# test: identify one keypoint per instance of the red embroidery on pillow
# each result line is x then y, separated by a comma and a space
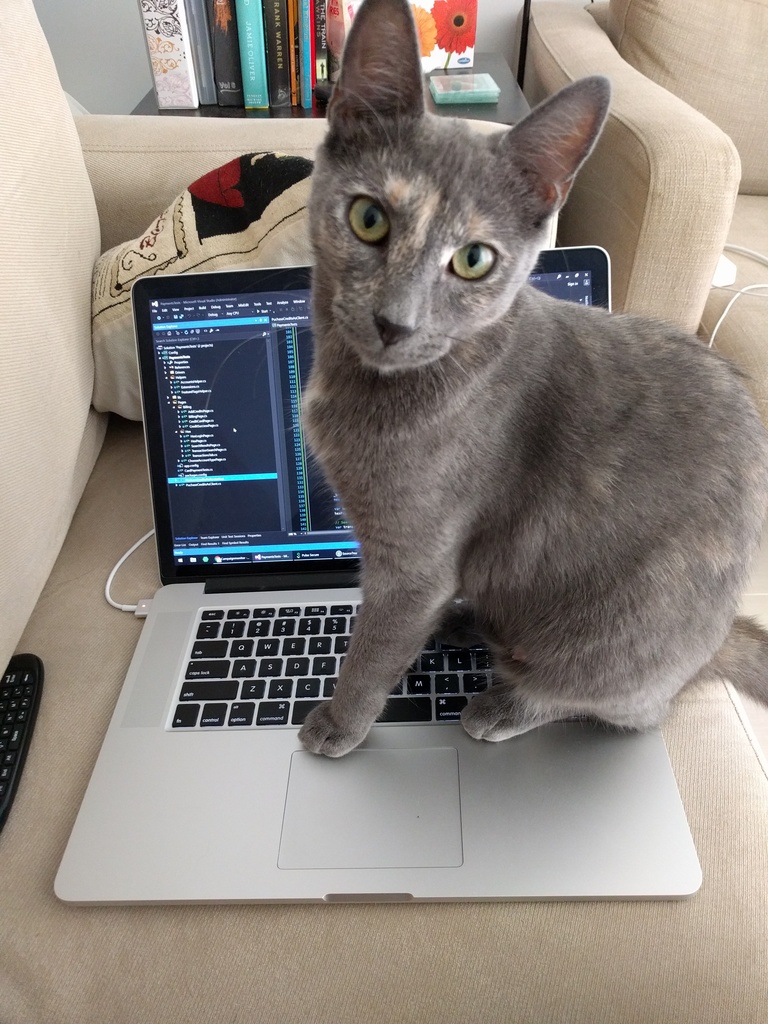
220, 186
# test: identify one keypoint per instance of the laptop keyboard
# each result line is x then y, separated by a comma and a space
267, 667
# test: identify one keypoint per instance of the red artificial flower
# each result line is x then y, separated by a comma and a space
456, 22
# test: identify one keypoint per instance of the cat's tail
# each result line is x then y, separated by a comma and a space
743, 660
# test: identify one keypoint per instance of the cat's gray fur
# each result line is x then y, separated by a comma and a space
591, 485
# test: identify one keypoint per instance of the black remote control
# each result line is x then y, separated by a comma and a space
20, 688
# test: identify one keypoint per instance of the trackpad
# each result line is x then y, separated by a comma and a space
373, 809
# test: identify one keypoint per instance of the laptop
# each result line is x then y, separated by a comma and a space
202, 792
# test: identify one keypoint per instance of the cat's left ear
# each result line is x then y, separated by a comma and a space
380, 67
555, 139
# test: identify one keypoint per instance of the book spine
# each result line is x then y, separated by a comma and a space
293, 46
201, 51
170, 53
225, 48
321, 42
306, 35
253, 56
278, 55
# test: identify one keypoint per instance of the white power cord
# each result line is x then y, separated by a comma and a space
136, 608
754, 255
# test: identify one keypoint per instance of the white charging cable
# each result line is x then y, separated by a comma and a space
754, 255
108, 586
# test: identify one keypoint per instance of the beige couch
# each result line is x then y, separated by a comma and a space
73, 498
682, 167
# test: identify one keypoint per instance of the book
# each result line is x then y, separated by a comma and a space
293, 49
253, 55
170, 54
225, 49
321, 42
278, 55
202, 58
306, 61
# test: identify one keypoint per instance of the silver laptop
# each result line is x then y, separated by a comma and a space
202, 792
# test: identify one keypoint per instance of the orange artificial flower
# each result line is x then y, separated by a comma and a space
426, 28
456, 21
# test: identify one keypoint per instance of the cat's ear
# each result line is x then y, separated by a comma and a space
555, 139
380, 66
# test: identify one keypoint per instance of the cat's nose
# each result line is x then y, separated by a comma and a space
390, 333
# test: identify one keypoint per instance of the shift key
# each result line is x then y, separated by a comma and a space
209, 690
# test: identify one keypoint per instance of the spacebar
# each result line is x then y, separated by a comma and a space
407, 709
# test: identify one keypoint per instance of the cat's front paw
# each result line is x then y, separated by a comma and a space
497, 714
323, 734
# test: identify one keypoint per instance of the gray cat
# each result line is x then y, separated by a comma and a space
590, 486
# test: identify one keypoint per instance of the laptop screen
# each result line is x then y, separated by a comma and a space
224, 359
242, 487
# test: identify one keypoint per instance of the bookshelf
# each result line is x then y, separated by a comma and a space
512, 105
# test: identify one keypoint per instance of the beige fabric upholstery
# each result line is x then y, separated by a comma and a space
714, 55
700, 961
49, 238
658, 192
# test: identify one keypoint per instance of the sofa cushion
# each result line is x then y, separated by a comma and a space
712, 54
49, 239
251, 212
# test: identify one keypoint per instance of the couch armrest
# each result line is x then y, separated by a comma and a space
139, 164
659, 190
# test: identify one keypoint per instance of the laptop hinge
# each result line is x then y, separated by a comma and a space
283, 581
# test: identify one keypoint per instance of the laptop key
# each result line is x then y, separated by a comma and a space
209, 649
431, 662
284, 627
273, 712
241, 649
271, 667
186, 716
407, 709
301, 709
447, 683
208, 630
323, 666
209, 690
290, 613
319, 645
448, 709
297, 667
268, 648
419, 684
342, 609
241, 714
233, 628
208, 669
280, 688
259, 627
310, 627
335, 625
263, 613
308, 687
475, 682
253, 689
213, 715
294, 645
212, 614
239, 613
243, 668
329, 686
315, 609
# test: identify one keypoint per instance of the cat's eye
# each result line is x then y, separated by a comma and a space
473, 261
367, 219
